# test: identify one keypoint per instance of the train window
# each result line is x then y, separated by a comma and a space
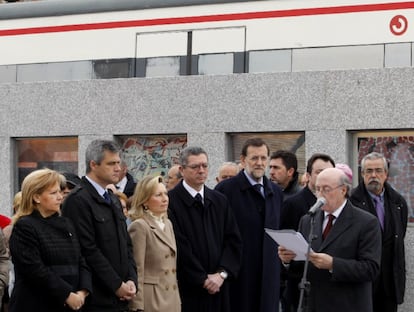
59, 154
349, 57
270, 61
8, 73
116, 68
163, 66
215, 64
398, 55
54, 71
219, 51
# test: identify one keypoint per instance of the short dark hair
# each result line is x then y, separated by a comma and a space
256, 142
189, 151
96, 149
315, 157
289, 159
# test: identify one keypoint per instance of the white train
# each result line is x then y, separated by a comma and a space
150, 38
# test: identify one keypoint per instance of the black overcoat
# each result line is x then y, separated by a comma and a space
295, 207
393, 270
47, 262
208, 240
257, 287
105, 244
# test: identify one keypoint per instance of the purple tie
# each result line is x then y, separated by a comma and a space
379, 207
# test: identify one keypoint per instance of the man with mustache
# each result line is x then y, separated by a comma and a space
376, 196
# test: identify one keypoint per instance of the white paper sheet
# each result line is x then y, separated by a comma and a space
291, 240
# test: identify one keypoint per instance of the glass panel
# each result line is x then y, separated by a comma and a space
398, 148
163, 66
105, 69
290, 141
398, 55
150, 154
54, 71
8, 73
59, 154
270, 61
215, 64
349, 57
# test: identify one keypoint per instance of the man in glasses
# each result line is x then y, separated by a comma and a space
376, 196
256, 202
346, 249
293, 210
208, 240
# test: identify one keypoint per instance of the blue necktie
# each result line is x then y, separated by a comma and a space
259, 188
107, 197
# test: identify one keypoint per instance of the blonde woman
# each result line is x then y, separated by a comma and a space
154, 249
51, 274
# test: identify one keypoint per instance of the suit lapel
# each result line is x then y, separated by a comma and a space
165, 236
341, 224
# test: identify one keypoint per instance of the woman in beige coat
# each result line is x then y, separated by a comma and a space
154, 249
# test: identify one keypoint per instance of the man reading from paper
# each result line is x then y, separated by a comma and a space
347, 249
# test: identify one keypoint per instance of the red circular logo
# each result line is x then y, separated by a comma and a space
398, 25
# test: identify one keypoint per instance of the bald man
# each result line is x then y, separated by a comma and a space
227, 170
173, 177
346, 251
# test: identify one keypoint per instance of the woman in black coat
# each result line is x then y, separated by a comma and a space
50, 273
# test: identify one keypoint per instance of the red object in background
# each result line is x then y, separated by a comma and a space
4, 221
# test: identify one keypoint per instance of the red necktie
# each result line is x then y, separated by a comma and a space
328, 226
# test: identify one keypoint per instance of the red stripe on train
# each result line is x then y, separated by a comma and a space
212, 18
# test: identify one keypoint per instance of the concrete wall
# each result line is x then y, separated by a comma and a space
327, 105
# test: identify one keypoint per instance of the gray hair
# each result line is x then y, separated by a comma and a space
374, 156
344, 180
96, 149
190, 151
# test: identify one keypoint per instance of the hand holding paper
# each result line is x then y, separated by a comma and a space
293, 243
285, 255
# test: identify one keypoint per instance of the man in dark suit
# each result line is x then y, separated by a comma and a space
298, 205
292, 211
376, 196
126, 183
208, 240
256, 203
101, 228
346, 250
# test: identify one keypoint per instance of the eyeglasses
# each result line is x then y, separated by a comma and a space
197, 166
370, 171
327, 189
